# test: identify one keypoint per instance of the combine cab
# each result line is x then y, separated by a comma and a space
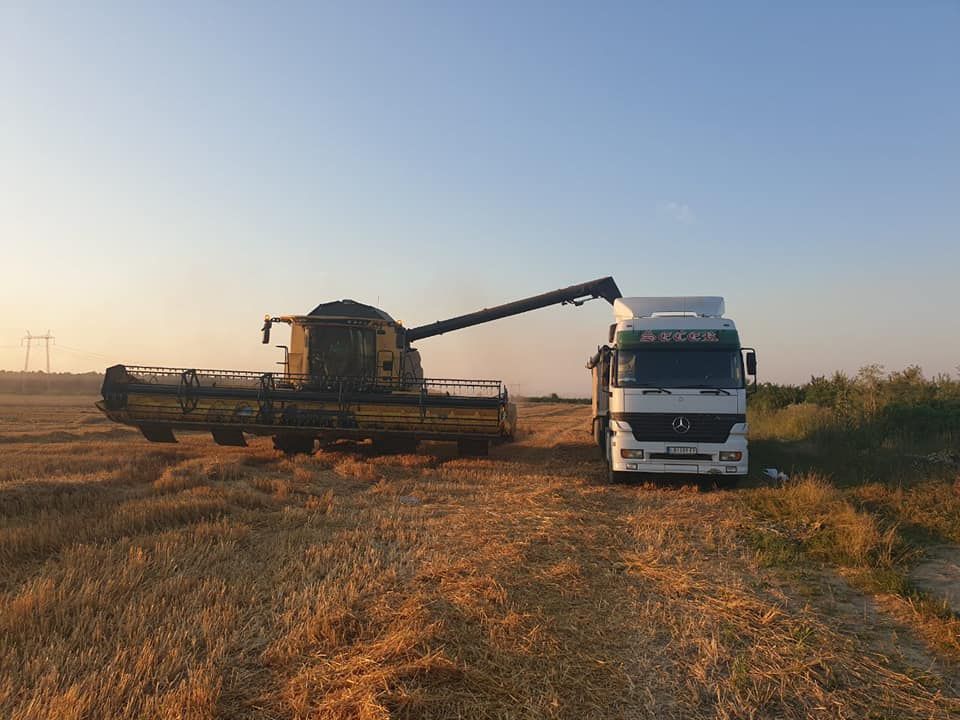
350, 372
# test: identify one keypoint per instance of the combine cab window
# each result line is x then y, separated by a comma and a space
338, 351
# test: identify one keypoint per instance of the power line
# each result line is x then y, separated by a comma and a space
78, 351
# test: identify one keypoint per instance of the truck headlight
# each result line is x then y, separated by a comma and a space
632, 454
620, 425
730, 455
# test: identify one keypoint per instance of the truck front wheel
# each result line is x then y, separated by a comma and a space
615, 477
600, 435
728, 482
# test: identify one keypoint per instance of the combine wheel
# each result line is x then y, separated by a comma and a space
473, 448
294, 444
395, 446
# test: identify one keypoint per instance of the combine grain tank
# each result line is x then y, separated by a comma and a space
350, 371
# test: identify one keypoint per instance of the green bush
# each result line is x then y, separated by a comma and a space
874, 403
936, 417
771, 396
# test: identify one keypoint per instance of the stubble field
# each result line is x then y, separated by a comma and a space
195, 581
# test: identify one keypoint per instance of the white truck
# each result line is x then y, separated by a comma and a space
670, 390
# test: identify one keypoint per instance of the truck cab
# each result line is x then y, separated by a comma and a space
670, 390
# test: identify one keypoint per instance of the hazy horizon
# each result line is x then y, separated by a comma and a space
172, 173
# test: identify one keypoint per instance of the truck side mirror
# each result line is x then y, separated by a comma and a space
751, 362
612, 334
266, 331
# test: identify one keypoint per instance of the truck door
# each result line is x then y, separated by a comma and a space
601, 395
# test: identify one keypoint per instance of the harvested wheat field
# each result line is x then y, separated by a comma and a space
194, 581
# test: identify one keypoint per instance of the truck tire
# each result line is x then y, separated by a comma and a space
600, 436
473, 448
729, 482
294, 444
614, 477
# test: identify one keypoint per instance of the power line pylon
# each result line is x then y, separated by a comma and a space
28, 341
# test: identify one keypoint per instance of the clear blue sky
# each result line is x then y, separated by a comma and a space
168, 174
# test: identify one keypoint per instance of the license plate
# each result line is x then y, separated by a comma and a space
681, 451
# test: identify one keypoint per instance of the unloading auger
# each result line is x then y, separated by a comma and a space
350, 371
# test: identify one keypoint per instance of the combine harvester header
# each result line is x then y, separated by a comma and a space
350, 371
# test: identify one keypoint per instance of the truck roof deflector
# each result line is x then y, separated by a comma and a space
638, 307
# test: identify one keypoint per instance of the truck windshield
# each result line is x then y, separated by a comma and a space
680, 368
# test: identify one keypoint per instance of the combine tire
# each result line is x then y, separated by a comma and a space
473, 448
294, 444
395, 446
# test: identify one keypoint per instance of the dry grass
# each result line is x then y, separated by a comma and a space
869, 504
930, 509
811, 518
811, 511
794, 422
192, 581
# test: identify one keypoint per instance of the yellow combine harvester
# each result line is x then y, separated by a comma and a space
350, 371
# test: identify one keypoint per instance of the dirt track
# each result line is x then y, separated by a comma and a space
197, 581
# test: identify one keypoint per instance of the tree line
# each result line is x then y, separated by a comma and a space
38, 382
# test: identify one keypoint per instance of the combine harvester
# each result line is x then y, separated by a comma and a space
350, 372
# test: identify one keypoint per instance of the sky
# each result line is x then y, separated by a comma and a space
170, 172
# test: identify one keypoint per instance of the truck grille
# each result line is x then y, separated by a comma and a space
659, 427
